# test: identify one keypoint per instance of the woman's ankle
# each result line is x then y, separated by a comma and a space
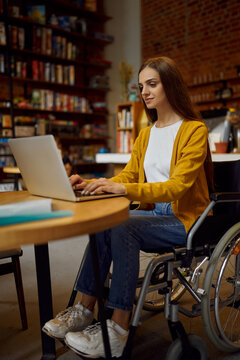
121, 317
88, 302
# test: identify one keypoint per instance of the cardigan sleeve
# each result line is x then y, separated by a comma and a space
191, 155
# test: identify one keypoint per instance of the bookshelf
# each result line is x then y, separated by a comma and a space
128, 115
52, 72
218, 93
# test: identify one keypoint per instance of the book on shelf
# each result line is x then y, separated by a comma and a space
21, 38
41, 70
6, 120
125, 118
2, 34
13, 36
36, 38
17, 37
124, 141
35, 70
23, 130
49, 41
2, 63
43, 40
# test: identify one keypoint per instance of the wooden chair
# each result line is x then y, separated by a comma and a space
13, 266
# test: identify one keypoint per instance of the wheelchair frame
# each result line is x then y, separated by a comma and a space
185, 345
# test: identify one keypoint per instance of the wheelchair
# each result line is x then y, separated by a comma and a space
213, 242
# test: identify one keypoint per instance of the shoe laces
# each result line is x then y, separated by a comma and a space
69, 314
92, 329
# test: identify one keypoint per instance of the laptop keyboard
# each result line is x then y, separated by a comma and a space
78, 193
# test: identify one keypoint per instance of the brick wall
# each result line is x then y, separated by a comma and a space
202, 36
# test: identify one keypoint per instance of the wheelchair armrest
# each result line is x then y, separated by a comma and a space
225, 196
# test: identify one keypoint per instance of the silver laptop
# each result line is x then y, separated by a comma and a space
43, 171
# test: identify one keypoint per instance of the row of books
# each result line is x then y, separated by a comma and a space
124, 142
5, 150
79, 153
44, 42
93, 130
45, 71
17, 37
49, 100
23, 125
125, 118
40, 70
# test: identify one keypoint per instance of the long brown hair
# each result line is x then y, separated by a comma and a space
177, 95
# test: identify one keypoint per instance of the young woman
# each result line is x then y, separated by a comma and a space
167, 174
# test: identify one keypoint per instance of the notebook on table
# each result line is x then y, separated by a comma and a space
43, 171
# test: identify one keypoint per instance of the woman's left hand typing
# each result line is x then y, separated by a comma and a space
103, 185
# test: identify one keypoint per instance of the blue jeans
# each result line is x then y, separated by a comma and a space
152, 229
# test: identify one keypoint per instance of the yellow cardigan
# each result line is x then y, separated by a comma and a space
186, 188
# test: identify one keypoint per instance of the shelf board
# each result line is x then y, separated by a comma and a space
82, 139
122, 128
33, 110
55, 84
58, 59
215, 82
217, 101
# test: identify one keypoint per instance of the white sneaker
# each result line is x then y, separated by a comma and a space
74, 318
89, 342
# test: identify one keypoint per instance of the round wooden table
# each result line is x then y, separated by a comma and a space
89, 217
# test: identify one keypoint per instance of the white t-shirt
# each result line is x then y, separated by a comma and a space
159, 152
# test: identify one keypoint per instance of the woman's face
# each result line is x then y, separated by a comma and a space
151, 89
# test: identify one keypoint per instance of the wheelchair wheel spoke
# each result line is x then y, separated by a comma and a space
226, 297
222, 285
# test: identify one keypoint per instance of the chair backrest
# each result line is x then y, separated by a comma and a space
227, 179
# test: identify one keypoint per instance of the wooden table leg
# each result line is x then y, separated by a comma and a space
44, 298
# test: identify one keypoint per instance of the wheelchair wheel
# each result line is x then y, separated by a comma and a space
222, 286
175, 351
155, 301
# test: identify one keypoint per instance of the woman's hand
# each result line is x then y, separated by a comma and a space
77, 182
103, 185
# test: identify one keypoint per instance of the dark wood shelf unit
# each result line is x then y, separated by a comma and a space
35, 110
23, 20
85, 63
